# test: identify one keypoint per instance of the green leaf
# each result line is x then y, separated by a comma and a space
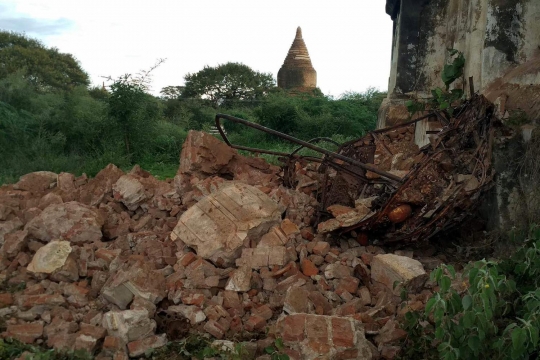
474, 343
451, 269
438, 314
269, 349
279, 343
519, 337
445, 283
467, 302
429, 304
439, 333
283, 357
472, 275
444, 105
468, 319
534, 335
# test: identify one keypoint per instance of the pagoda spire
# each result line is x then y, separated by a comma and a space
297, 70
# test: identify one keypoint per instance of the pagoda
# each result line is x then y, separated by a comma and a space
297, 72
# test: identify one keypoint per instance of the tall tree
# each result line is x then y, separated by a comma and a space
228, 82
46, 68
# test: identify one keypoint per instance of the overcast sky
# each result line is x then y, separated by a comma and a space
349, 41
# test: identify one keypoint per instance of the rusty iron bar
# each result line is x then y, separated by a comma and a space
289, 138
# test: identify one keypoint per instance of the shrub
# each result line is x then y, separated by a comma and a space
497, 316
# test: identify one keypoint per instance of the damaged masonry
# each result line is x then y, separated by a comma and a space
237, 248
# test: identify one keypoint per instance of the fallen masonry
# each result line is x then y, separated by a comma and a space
123, 263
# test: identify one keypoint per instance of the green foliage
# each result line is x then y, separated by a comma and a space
12, 349
452, 72
134, 114
45, 68
443, 99
307, 117
276, 351
198, 347
227, 83
50, 120
497, 316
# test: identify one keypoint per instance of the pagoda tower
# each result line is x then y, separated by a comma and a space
297, 72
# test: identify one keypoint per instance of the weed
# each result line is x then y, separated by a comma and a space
496, 315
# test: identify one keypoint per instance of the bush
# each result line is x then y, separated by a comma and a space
497, 316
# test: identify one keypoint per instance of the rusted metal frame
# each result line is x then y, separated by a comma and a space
421, 229
289, 138
442, 119
316, 140
403, 187
383, 145
403, 124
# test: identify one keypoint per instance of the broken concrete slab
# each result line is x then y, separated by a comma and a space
71, 221
219, 225
50, 257
388, 269
129, 325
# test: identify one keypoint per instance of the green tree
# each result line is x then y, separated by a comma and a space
45, 68
135, 114
171, 92
227, 83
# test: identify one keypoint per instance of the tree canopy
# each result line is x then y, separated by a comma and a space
228, 82
46, 68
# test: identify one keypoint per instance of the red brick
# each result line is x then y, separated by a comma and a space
320, 347
26, 333
308, 268
342, 332
293, 354
214, 329
293, 327
6, 300
28, 301
61, 341
321, 248
255, 322
97, 332
317, 328
347, 354
107, 255
349, 284
263, 311
187, 259
288, 227
193, 299
113, 344
140, 347
366, 258
307, 234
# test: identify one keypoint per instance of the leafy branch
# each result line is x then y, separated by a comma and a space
443, 99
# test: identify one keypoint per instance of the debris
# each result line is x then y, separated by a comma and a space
390, 268
331, 337
409, 193
72, 221
122, 263
221, 223
50, 257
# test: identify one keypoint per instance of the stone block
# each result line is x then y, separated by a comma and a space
388, 269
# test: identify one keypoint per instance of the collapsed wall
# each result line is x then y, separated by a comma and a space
122, 263
499, 40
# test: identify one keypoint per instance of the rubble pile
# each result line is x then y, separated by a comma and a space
123, 263
439, 185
